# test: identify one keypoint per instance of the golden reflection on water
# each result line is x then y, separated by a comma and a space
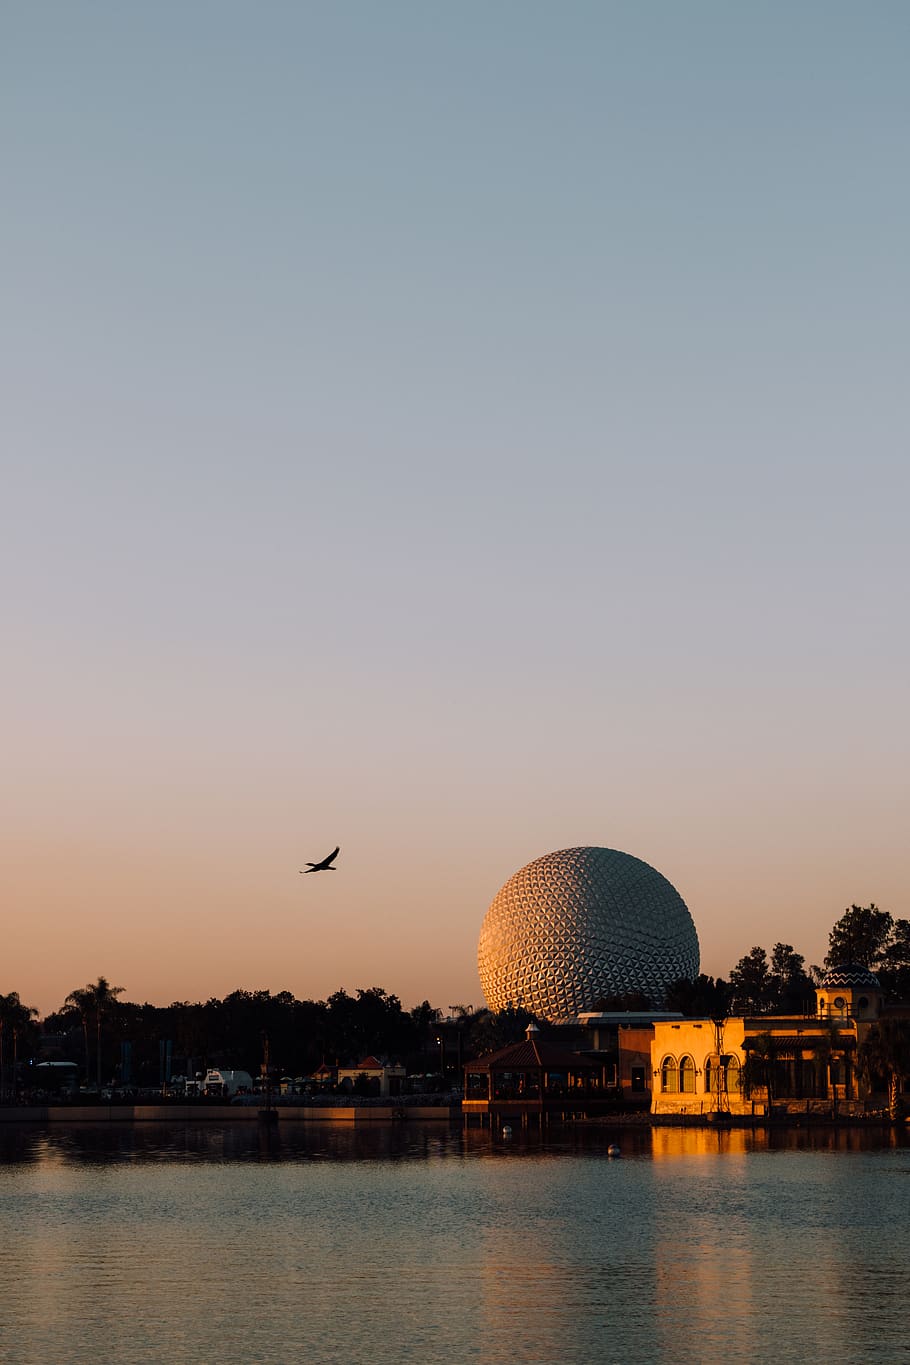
681, 1141
711, 1142
413, 1243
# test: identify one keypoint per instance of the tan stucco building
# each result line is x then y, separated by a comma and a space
741, 1066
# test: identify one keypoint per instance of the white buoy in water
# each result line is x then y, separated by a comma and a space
613, 1150
506, 1130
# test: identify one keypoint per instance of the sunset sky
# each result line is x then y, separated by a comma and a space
457, 432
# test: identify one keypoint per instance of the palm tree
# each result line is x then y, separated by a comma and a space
14, 1017
762, 1054
823, 1050
80, 1000
7, 1004
95, 1002
22, 1017
885, 1053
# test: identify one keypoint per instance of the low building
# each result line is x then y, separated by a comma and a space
325, 1077
747, 1066
224, 1084
372, 1076
621, 1042
534, 1079
56, 1078
697, 1067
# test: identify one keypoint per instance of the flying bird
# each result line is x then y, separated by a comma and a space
324, 866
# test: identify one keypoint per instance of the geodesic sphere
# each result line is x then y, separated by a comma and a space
581, 924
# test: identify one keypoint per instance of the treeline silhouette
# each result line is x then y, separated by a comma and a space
780, 982
116, 1040
110, 1038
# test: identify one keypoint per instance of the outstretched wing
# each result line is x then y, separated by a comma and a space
326, 863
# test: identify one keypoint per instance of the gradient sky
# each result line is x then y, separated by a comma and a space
456, 432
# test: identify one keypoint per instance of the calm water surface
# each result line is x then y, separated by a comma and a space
423, 1243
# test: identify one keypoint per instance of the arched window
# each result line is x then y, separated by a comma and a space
687, 1076
669, 1079
713, 1076
733, 1074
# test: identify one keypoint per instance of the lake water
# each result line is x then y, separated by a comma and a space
322, 1243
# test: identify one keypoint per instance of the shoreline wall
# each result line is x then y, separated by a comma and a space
220, 1113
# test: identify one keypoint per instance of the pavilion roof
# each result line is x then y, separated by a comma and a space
532, 1054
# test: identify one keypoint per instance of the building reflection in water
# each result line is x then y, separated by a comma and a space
419, 1242
706, 1141
768, 1245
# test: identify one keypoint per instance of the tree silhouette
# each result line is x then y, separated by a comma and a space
95, 1003
762, 1053
750, 982
80, 1001
860, 935
703, 998
823, 1050
790, 989
893, 965
885, 1054
14, 1020
490, 1030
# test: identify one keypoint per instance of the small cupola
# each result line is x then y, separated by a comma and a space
850, 991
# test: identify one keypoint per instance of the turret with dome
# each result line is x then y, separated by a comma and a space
849, 991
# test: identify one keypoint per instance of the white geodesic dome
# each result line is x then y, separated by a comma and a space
580, 924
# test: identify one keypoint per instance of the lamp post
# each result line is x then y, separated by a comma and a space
721, 1102
268, 1114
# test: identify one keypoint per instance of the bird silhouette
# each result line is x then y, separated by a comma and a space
324, 866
